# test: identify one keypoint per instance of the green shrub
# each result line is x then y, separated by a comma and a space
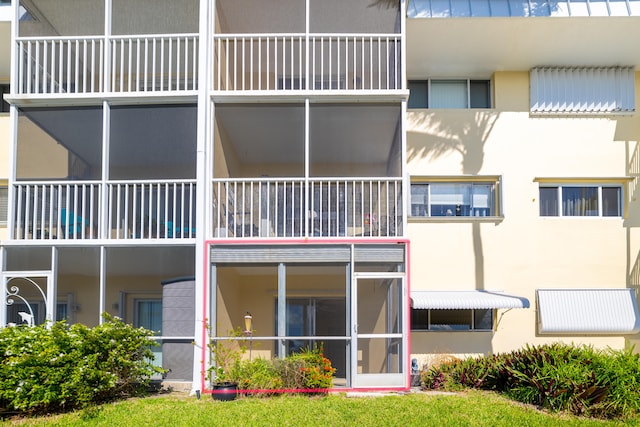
257, 374
306, 370
556, 376
61, 367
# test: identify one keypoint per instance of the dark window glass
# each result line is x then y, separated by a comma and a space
450, 320
419, 320
611, 201
418, 94
548, 201
483, 318
4, 105
480, 96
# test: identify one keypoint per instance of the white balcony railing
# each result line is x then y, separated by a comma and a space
336, 207
263, 62
58, 65
245, 62
73, 65
154, 63
152, 209
136, 210
56, 210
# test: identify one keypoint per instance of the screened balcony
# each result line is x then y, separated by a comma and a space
279, 175
65, 188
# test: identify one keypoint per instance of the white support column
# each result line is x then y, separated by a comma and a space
52, 288
203, 208
11, 194
349, 317
3, 288
307, 212
282, 308
106, 72
13, 121
103, 213
310, 83
103, 283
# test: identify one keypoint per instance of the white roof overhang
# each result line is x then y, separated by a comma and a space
456, 300
588, 311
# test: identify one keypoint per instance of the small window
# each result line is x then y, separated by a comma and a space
148, 314
452, 320
467, 199
4, 201
449, 94
4, 105
576, 200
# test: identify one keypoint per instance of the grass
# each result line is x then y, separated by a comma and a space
472, 408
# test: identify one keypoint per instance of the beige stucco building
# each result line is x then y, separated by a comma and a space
395, 180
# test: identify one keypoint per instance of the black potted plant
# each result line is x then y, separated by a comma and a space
225, 357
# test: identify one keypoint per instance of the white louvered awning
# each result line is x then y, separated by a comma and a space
582, 90
465, 300
588, 311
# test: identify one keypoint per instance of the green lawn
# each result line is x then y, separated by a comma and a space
419, 409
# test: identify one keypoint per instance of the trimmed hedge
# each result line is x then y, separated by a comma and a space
60, 367
559, 377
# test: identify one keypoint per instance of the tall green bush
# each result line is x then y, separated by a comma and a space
61, 367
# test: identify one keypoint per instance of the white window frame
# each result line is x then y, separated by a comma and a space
467, 82
599, 186
4, 204
495, 210
471, 324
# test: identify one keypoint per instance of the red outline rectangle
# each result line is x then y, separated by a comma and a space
260, 241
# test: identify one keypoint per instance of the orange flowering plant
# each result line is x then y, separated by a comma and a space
316, 369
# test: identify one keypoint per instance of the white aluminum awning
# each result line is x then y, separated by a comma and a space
465, 300
588, 311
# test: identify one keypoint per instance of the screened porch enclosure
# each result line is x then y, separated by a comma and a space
44, 284
314, 296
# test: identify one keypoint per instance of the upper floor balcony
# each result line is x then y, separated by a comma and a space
291, 46
307, 46
141, 64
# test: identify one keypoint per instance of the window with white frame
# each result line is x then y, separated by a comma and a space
4, 202
582, 90
581, 200
452, 320
455, 198
451, 93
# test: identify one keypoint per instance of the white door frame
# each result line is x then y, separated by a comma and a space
379, 380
